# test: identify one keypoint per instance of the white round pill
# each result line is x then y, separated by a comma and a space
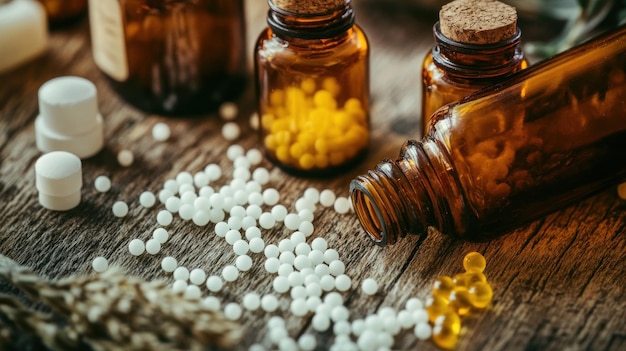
369, 286
169, 264
100, 264
251, 301
120, 209
161, 131
231, 131
125, 158
197, 276
102, 183
153, 246
228, 111
136, 247
147, 199
58, 173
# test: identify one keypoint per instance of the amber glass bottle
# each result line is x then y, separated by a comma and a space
61, 11
549, 135
477, 45
312, 70
173, 57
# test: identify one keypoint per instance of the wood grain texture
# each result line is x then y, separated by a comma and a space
558, 282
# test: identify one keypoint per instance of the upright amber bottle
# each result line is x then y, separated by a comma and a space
477, 45
312, 70
173, 57
549, 135
61, 11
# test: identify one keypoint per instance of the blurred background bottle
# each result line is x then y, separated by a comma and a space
63, 11
171, 57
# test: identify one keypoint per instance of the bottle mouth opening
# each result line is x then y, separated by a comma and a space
369, 213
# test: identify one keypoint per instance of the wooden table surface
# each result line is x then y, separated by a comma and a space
558, 282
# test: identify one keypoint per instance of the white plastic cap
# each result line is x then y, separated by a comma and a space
69, 105
58, 174
83, 145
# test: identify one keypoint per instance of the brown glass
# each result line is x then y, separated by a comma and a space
453, 70
184, 57
62, 11
296, 57
506, 155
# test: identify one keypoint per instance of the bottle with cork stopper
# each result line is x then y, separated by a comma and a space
507, 154
477, 44
312, 75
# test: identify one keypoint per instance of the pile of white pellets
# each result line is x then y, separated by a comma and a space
304, 269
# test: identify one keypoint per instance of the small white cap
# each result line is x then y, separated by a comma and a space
59, 203
84, 145
58, 174
68, 105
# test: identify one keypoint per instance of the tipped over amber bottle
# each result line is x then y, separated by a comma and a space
508, 154
477, 45
312, 74
171, 57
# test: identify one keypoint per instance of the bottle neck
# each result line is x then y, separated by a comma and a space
477, 61
324, 25
408, 195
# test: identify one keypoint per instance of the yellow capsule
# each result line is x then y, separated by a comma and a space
324, 99
306, 161
474, 262
450, 319
442, 287
445, 337
436, 306
481, 294
308, 85
460, 300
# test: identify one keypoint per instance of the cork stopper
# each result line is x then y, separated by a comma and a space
309, 6
477, 21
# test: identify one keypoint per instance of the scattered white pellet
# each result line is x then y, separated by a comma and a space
120, 209
269, 303
165, 194
285, 269
298, 307
211, 303
136, 247
125, 158
405, 319
423, 331
342, 205
292, 221
307, 342
192, 292
327, 198
320, 322
295, 279
304, 204
327, 282
243, 263
255, 156
147, 199
306, 215
302, 248
272, 264
256, 244
251, 301
179, 286
256, 347
271, 250
221, 228
201, 218
358, 327
242, 162
301, 262
161, 131
287, 257
342, 328
231, 131
240, 247
228, 111
232, 236
214, 283
172, 204
330, 255
306, 227
197, 276
164, 218
181, 273
279, 212
267, 221
169, 264
234, 151
232, 311
414, 304
420, 316
271, 196
316, 257
213, 171
102, 183
333, 299
230, 273
369, 286
337, 268
343, 282
153, 246
100, 264
313, 289
184, 178
254, 121
312, 302
298, 292
280, 284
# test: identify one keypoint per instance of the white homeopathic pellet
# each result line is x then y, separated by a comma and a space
161, 235
161, 131
269, 303
327, 198
153, 246
232, 311
102, 184
169, 264
120, 209
100, 264
423, 331
369, 286
192, 292
211, 303
214, 283
136, 247
231, 131
197, 276
164, 218
251, 301
343, 282
243, 263
125, 158
181, 273
230, 273
256, 244
228, 111
342, 205
147, 199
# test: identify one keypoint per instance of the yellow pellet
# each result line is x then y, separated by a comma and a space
277, 98
474, 262
443, 287
460, 300
282, 154
270, 142
480, 294
331, 85
296, 150
324, 99
308, 86
444, 337
436, 306
451, 320
307, 161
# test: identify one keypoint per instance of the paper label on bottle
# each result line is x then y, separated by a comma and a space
107, 38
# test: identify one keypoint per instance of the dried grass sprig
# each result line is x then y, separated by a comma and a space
112, 310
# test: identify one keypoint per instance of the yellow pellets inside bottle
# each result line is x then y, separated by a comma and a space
309, 126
